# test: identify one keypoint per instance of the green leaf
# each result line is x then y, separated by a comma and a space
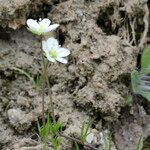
141, 80
55, 142
39, 127
138, 86
134, 81
145, 60
145, 95
85, 130
37, 82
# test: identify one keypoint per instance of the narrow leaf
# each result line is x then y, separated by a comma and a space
134, 81
145, 60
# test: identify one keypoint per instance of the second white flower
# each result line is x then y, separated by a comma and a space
54, 52
41, 27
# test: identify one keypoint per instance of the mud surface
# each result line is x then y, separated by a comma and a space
104, 37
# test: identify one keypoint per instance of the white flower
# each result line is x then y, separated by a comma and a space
54, 52
41, 27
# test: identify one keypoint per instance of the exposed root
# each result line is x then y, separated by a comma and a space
146, 26
132, 24
129, 44
125, 33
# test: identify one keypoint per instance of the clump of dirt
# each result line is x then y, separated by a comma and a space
104, 43
13, 13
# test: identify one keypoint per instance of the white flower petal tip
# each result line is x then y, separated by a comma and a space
62, 60
32, 24
51, 27
45, 22
54, 52
54, 26
63, 52
41, 27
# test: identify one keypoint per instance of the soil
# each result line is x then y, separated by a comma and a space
106, 38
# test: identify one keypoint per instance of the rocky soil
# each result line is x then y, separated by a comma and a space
106, 38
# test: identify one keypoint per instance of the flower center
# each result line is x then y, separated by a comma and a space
42, 26
53, 54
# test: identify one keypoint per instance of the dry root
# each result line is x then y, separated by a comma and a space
146, 26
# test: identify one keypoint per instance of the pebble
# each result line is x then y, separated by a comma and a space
15, 115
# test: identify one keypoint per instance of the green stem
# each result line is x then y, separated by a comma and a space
48, 84
44, 146
43, 84
50, 96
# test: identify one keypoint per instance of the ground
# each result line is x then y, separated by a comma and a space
106, 38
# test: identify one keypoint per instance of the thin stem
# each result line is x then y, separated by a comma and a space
45, 145
50, 96
49, 91
43, 84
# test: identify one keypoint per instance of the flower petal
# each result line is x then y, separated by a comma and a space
52, 44
45, 22
51, 27
63, 52
62, 60
32, 24
34, 31
44, 46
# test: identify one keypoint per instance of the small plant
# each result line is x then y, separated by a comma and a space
50, 131
51, 50
85, 131
141, 79
83, 134
37, 82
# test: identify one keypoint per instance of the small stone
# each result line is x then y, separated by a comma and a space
90, 138
14, 115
